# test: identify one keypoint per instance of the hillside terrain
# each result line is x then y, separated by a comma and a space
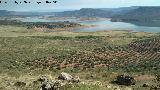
51, 56
26, 14
43, 26
96, 57
141, 14
86, 12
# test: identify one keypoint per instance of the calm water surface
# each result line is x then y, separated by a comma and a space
100, 25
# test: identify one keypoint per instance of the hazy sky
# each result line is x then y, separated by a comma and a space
74, 4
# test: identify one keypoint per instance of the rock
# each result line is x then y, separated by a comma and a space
51, 85
125, 80
20, 84
48, 84
57, 85
65, 76
68, 77
145, 85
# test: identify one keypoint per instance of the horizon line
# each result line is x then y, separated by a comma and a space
62, 10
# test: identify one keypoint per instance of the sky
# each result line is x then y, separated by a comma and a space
73, 4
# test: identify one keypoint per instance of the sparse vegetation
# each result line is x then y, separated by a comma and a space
95, 56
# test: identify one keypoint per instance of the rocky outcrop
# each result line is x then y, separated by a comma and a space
51, 85
65, 76
68, 77
63, 79
125, 80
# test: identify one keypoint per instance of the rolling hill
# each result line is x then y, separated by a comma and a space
141, 14
84, 12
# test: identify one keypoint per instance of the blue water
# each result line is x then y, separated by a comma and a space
100, 25
108, 25
36, 19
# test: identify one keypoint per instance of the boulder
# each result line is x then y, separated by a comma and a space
51, 85
125, 80
46, 86
65, 76
68, 77
64, 79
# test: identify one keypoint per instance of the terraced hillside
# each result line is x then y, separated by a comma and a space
126, 51
140, 55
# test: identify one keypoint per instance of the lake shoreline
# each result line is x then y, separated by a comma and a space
92, 24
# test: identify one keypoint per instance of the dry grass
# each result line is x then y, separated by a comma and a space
20, 46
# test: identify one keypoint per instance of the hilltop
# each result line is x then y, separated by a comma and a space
141, 14
84, 12
135, 13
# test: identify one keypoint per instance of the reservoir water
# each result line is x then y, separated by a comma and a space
108, 25
101, 25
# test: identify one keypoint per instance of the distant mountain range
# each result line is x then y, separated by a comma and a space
15, 13
96, 12
141, 14
84, 12
5, 12
128, 14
